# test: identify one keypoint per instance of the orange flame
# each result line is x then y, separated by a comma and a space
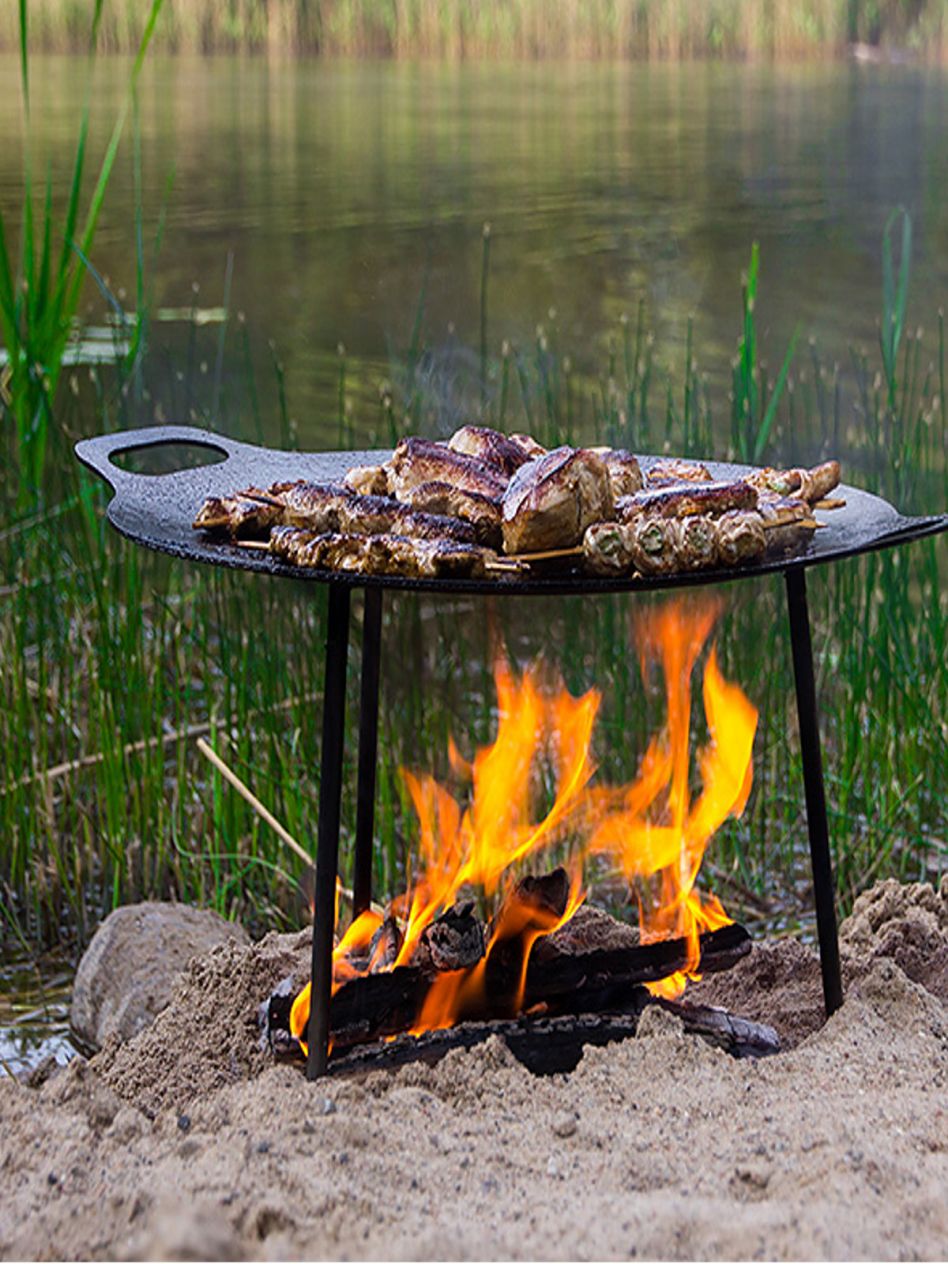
652, 828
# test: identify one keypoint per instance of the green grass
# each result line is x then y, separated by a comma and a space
116, 659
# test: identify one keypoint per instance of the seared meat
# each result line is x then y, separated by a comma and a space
529, 445
809, 485
625, 475
683, 500
239, 515
378, 554
551, 501
316, 505
741, 537
660, 546
489, 446
369, 480
788, 522
671, 470
417, 461
377, 515
441, 498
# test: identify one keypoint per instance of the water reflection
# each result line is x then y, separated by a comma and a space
343, 190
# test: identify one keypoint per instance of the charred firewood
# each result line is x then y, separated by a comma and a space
548, 1046
455, 940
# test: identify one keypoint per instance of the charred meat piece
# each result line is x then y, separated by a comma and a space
809, 485
529, 445
671, 470
741, 537
788, 523
441, 498
551, 501
625, 474
681, 500
489, 446
319, 506
247, 513
377, 515
417, 461
378, 554
369, 480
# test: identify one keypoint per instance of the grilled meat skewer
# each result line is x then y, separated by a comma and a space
326, 508
809, 485
662, 546
369, 480
551, 501
454, 502
672, 470
378, 554
684, 499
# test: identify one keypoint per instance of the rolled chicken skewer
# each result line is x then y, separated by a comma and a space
671, 470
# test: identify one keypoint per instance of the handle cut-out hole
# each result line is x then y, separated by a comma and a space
154, 459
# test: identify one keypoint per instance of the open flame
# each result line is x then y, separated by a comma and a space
530, 791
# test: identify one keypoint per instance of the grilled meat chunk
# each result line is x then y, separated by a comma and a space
377, 515
417, 461
741, 537
247, 513
671, 470
529, 445
625, 474
378, 554
319, 506
441, 498
551, 501
809, 485
489, 446
787, 521
369, 480
683, 500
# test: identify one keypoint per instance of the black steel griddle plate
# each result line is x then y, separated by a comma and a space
157, 511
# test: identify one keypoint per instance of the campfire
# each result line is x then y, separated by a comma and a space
478, 938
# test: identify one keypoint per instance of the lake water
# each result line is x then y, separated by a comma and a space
341, 191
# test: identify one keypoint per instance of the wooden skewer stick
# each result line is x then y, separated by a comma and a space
265, 814
547, 553
252, 544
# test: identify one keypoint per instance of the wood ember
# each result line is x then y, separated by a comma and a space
385, 946
455, 940
547, 1046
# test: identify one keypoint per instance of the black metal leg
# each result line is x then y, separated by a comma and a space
327, 837
368, 750
808, 717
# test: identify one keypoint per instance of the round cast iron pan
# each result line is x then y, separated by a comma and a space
157, 511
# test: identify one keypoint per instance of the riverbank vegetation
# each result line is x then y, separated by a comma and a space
505, 28
115, 660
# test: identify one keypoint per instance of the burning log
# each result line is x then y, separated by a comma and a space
548, 1046
563, 979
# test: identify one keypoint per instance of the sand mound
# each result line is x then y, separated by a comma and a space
207, 1036
660, 1147
906, 924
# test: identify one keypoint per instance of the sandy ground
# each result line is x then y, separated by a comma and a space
189, 1143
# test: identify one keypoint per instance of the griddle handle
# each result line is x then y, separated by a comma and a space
97, 453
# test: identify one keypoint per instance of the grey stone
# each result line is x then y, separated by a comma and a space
126, 974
